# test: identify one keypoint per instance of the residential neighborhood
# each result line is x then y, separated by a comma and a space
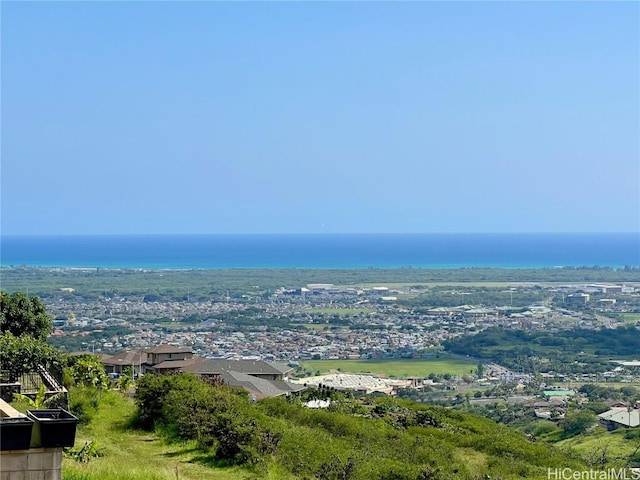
314, 321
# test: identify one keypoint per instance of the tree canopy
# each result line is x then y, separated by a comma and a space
24, 353
87, 371
24, 315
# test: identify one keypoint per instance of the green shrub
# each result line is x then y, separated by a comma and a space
151, 393
387, 439
544, 427
632, 434
86, 453
577, 423
219, 418
84, 403
86, 371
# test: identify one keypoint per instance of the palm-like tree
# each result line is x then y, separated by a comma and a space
41, 400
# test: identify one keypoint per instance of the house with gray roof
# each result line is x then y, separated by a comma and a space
163, 353
255, 368
261, 379
260, 388
620, 418
121, 361
161, 359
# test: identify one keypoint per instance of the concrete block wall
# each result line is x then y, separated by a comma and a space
32, 464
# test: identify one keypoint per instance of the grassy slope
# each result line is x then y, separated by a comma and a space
470, 441
136, 455
598, 443
461, 446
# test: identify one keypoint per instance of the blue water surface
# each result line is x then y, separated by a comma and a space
323, 251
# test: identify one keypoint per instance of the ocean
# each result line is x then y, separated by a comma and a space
323, 251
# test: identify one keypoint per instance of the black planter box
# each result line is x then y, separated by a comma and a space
15, 433
53, 428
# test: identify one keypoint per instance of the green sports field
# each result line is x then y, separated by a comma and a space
396, 368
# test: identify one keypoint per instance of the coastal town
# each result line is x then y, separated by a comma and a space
261, 344
319, 321
544, 358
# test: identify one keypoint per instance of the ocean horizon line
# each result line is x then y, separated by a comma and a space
326, 251
310, 234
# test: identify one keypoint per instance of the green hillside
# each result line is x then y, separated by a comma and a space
130, 454
196, 431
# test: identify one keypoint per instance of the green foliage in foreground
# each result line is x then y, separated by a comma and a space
602, 449
40, 400
355, 439
108, 448
85, 370
21, 314
23, 354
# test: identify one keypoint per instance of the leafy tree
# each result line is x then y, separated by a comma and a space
629, 393
597, 407
86, 370
24, 315
23, 354
578, 423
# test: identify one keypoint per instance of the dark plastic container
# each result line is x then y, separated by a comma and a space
53, 428
15, 433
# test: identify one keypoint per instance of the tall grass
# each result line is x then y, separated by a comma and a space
130, 454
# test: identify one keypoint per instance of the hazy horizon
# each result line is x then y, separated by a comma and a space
116, 234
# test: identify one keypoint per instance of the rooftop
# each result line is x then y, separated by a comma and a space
250, 367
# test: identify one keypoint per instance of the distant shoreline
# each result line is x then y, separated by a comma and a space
324, 251
89, 269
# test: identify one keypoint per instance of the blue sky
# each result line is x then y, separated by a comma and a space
311, 117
